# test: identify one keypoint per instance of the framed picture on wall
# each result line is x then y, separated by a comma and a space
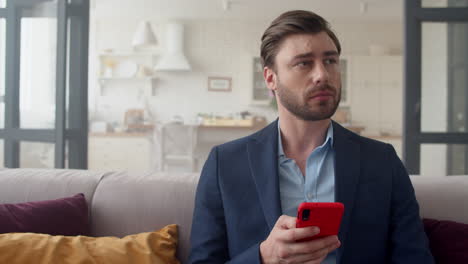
219, 84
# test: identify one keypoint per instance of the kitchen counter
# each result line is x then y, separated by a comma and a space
120, 151
120, 134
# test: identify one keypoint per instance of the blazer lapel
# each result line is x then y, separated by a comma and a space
347, 168
262, 152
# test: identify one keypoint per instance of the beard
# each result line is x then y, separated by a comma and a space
304, 107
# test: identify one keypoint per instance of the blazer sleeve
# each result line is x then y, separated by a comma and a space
408, 239
209, 241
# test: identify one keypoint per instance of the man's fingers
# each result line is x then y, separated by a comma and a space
286, 222
308, 258
318, 246
314, 257
334, 246
286, 237
295, 234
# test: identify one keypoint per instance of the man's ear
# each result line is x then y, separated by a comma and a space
270, 78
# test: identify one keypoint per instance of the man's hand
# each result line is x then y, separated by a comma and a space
281, 246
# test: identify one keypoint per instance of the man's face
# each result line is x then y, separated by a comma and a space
307, 78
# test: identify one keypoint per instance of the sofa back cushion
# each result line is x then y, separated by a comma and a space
127, 203
24, 185
442, 197
65, 216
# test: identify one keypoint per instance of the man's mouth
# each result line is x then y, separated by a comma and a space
322, 96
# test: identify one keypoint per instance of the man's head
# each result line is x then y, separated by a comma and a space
300, 55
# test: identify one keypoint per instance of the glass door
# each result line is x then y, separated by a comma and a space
40, 118
436, 109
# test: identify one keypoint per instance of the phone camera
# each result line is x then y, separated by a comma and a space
305, 214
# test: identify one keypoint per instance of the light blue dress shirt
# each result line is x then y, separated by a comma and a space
318, 185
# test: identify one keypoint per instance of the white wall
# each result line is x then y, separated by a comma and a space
259, 9
214, 47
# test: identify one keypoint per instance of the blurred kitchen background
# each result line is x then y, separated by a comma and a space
168, 80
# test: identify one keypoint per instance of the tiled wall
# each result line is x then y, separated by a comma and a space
225, 48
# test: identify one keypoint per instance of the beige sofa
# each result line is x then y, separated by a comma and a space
123, 203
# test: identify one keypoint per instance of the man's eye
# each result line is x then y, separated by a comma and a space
303, 64
331, 61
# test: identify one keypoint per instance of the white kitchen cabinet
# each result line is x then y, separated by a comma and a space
120, 152
377, 93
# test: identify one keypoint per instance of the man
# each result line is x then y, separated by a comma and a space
250, 188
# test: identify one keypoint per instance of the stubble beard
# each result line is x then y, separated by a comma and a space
302, 108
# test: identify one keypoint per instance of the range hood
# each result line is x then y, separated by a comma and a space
173, 59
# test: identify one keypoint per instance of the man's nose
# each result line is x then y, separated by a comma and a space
320, 74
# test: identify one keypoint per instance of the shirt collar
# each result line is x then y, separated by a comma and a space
329, 138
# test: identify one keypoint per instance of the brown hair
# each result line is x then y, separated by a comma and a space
289, 23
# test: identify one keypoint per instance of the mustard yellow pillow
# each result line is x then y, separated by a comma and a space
152, 247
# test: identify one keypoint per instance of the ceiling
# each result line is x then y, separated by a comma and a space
359, 10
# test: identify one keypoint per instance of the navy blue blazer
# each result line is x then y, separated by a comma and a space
237, 202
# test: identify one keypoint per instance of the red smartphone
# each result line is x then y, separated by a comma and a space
326, 216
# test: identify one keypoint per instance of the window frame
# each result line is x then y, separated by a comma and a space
413, 138
71, 125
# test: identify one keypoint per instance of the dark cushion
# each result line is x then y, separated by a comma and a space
448, 241
66, 216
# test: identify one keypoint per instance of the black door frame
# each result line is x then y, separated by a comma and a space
415, 15
71, 85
